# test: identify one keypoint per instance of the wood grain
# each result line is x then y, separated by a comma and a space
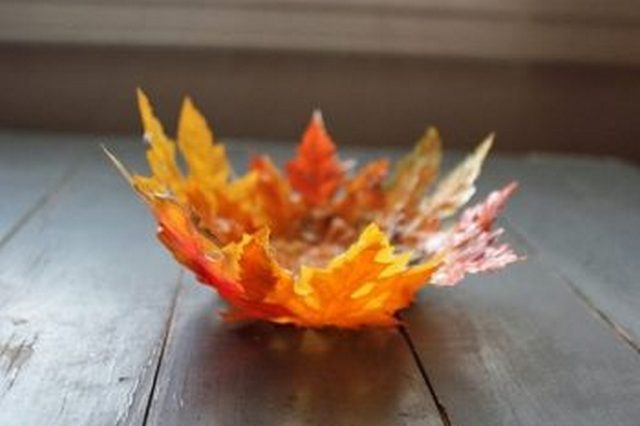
27, 178
85, 298
220, 374
96, 329
519, 347
583, 218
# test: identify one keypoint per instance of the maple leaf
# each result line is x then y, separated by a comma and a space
449, 195
316, 171
458, 187
414, 173
364, 193
206, 160
166, 175
472, 246
275, 196
365, 285
318, 247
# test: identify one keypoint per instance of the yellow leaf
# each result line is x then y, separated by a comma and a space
366, 284
207, 161
459, 186
161, 153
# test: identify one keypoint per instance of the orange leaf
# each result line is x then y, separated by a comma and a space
315, 172
274, 196
258, 275
366, 284
364, 194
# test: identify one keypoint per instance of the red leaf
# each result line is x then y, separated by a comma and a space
316, 171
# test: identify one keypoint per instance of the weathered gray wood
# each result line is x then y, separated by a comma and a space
85, 297
583, 218
27, 176
220, 374
519, 347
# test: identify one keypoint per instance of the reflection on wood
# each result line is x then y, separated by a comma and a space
219, 374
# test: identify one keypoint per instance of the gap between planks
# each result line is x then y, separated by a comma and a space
442, 410
533, 251
163, 346
40, 203
589, 304
404, 332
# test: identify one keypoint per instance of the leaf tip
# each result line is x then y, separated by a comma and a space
118, 164
317, 118
143, 100
187, 104
432, 132
483, 149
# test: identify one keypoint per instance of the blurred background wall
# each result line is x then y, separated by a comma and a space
546, 76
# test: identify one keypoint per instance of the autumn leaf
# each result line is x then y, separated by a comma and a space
364, 193
206, 160
322, 246
414, 173
316, 171
161, 155
274, 195
459, 186
472, 245
363, 286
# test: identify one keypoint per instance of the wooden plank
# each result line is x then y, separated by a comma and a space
85, 297
583, 217
220, 374
27, 177
519, 347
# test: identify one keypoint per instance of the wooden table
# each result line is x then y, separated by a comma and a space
99, 326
